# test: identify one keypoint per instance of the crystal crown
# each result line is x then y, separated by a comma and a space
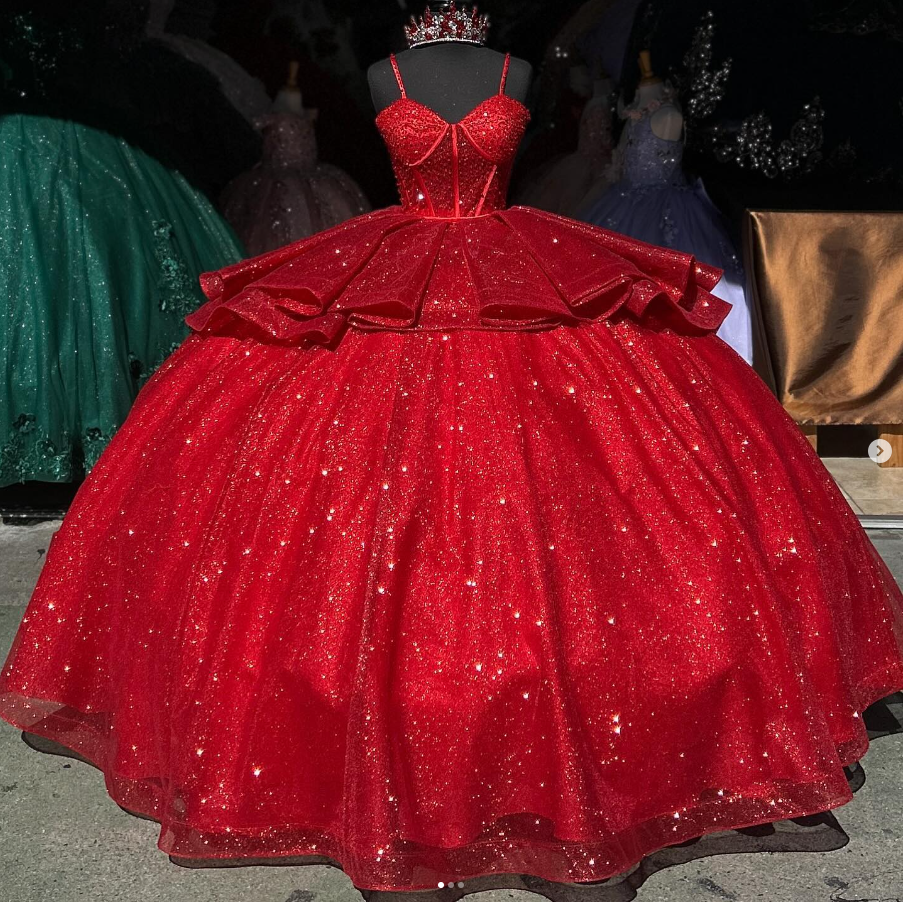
453, 24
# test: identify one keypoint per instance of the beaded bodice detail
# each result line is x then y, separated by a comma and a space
289, 141
453, 170
650, 160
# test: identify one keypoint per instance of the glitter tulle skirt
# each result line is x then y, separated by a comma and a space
100, 251
444, 603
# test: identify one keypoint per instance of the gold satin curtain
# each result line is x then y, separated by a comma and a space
828, 295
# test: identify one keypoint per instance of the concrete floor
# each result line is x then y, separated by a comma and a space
62, 839
868, 488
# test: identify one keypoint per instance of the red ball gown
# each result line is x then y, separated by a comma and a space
453, 542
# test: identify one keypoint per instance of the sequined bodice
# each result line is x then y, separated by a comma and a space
650, 160
289, 141
453, 170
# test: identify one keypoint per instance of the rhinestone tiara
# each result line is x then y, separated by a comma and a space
452, 24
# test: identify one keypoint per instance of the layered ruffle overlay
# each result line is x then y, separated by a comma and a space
511, 269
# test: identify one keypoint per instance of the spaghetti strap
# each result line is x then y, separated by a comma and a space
398, 74
505, 73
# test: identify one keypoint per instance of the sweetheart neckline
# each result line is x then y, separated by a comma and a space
445, 121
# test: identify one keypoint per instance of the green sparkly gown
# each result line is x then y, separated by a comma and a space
100, 251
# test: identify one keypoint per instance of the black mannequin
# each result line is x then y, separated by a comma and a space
450, 78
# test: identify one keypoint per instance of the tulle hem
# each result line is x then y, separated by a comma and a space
415, 866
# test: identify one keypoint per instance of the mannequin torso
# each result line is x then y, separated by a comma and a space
667, 121
449, 78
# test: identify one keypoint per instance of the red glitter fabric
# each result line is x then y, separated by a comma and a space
452, 546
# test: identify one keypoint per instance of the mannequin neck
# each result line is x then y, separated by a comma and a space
288, 100
450, 78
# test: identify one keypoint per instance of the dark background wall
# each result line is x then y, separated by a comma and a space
86, 59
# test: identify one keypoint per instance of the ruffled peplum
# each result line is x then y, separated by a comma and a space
512, 269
